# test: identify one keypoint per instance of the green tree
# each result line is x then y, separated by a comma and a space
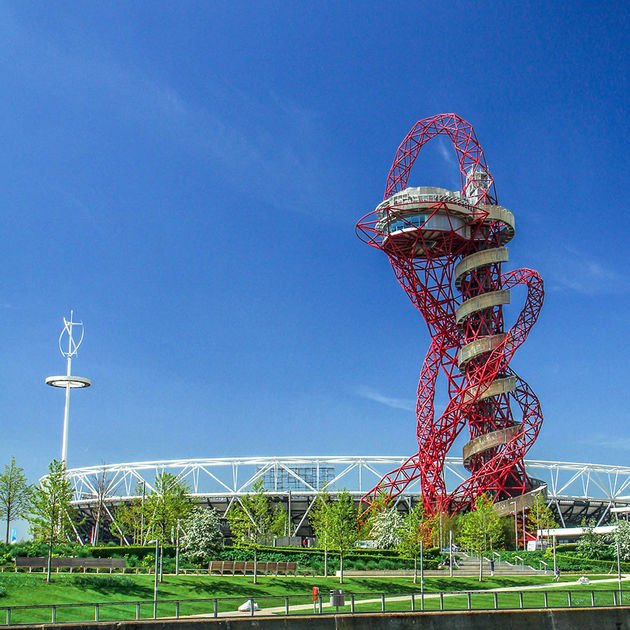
128, 520
591, 545
15, 494
166, 504
412, 534
480, 529
439, 525
254, 521
343, 526
319, 519
540, 515
51, 514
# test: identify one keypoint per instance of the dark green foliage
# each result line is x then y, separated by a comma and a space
309, 558
39, 548
3, 591
102, 581
568, 548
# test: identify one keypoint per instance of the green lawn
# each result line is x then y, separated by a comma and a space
29, 589
556, 597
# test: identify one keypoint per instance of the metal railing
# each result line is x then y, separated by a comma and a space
355, 603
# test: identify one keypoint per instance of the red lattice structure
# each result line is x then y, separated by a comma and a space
439, 242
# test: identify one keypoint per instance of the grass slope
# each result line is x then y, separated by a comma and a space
29, 589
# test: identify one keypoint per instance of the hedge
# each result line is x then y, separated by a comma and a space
143, 555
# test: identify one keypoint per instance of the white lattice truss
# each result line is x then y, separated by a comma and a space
224, 480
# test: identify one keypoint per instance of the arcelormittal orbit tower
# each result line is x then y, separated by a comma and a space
446, 249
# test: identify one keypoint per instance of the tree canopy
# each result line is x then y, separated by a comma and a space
15, 494
168, 503
50, 513
203, 538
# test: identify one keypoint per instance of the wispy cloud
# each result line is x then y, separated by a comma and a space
446, 151
574, 270
605, 441
388, 401
265, 146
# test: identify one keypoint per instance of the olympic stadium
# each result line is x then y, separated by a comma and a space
574, 490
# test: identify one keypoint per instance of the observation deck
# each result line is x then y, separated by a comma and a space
421, 221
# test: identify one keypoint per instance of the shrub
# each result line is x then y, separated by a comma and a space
102, 581
3, 591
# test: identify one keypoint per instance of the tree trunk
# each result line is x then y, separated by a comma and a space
341, 567
255, 565
7, 527
415, 570
325, 562
480, 566
49, 562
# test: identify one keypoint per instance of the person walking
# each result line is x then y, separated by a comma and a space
492, 566
556, 577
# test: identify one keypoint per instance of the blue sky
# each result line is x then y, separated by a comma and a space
187, 176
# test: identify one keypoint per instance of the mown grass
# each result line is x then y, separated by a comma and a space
30, 589
557, 597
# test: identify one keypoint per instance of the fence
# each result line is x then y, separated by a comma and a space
301, 604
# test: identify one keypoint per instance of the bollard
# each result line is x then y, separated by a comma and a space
413, 602
546, 599
615, 598
286, 606
53, 615
95, 612
441, 601
569, 598
352, 603
383, 602
216, 608
137, 611
251, 607
320, 605
468, 599
496, 600
177, 610
593, 599
520, 599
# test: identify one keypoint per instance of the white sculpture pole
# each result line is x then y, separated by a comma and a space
68, 381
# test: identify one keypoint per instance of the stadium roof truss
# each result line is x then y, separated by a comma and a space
576, 490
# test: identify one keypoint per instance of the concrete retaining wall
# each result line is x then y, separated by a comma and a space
551, 619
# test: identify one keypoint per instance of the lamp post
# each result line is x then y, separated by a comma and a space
68, 381
515, 526
177, 549
422, 574
155, 580
619, 567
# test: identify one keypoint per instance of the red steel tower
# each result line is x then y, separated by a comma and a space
441, 242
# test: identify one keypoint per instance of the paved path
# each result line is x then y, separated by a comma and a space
308, 607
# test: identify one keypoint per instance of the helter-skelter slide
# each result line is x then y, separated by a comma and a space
438, 240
